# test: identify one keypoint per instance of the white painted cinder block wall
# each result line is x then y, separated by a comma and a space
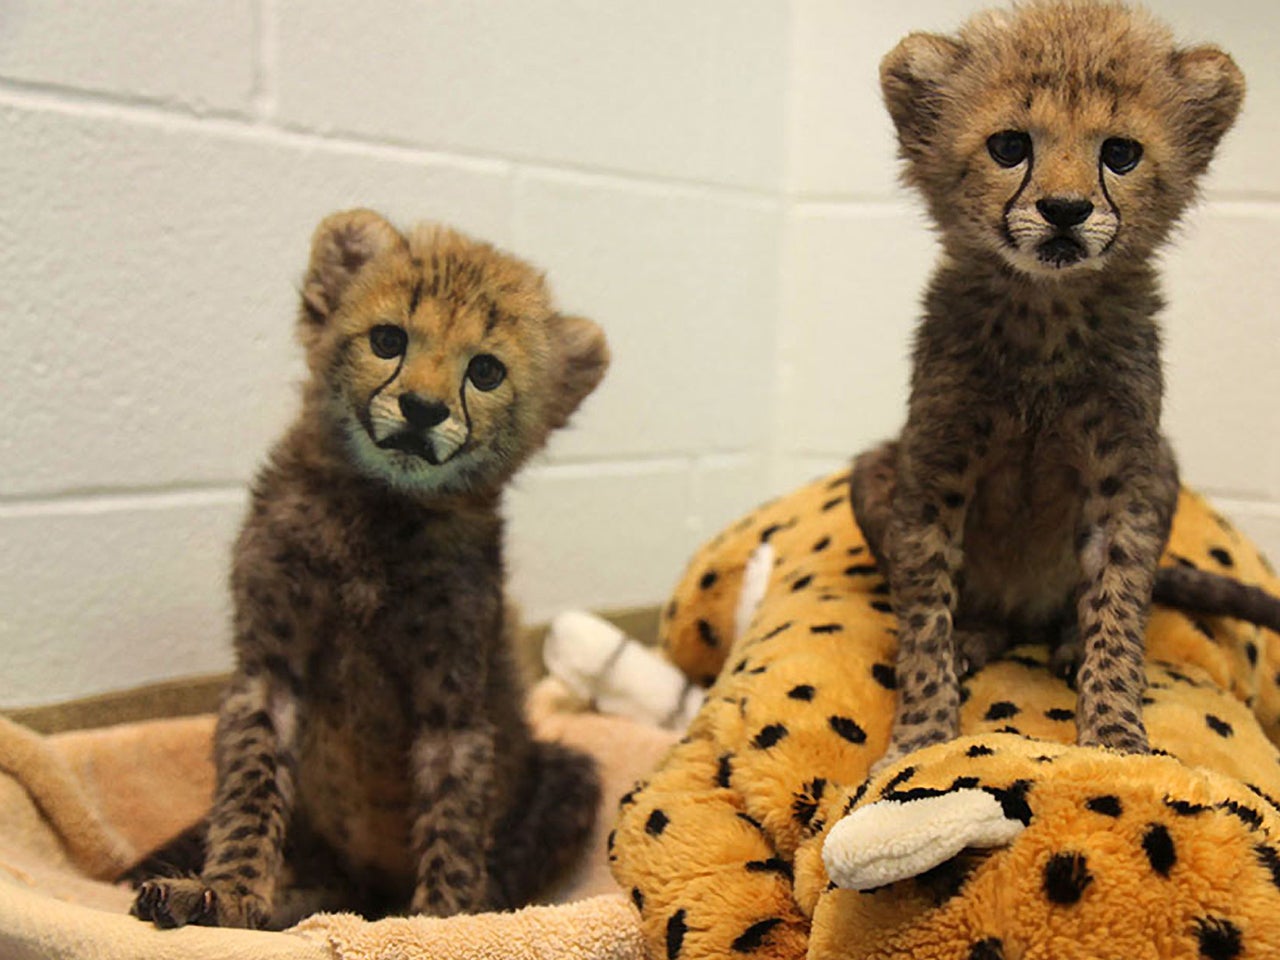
712, 180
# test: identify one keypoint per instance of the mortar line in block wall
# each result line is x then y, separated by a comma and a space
181, 118
111, 500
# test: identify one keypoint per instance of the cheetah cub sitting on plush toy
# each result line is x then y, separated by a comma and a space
1031, 490
371, 751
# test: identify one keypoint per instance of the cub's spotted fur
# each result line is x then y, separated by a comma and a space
1031, 490
371, 750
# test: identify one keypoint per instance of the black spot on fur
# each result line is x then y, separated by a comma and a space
899, 778
676, 929
802, 692
1185, 808
978, 750
861, 570
656, 823
805, 804
885, 675
822, 545
1270, 860
1001, 710
1251, 652
1219, 938
1218, 725
707, 634
802, 582
1013, 800
1222, 556
637, 898
1247, 815
724, 770
826, 628
1060, 713
1065, 877
832, 504
1107, 805
770, 735
1159, 848
991, 948
772, 865
753, 938
848, 729
882, 606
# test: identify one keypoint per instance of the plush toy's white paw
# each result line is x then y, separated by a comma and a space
892, 840
755, 581
616, 674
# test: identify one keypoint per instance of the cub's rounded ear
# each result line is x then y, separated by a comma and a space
912, 77
1212, 89
580, 357
340, 248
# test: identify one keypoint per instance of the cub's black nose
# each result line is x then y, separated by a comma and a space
1064, 213
422, 414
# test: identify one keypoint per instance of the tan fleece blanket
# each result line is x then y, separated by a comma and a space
75, 808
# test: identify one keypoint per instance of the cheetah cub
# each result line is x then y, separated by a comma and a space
371, 751
1031, 491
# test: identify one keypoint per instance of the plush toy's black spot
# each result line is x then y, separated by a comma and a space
991, 948
861, 570
708, 580
802, 582
676, 929
1270, 861
965, 694
1065, 877
777, 630
899, 778
656, 823
772, 865
1250, 817
1182, 561
1219, 938
740, 666
1222, 556
637, 898
881, 589
767, 533
1159, 848
978, 750
962, 783
770, 735
1013, 800
802, 692
610, 840
848, 729
748, 818
1060, 714
1001, 710
724, 770
1251, 652
1107, 805
805, 803
1218, 725
822, 545
629, 797
707, 635
1264, 795
832, 504
882, 606
753, 938
856, 551
1201, 628
885, 675
826, 628
1185, 808
1009, 728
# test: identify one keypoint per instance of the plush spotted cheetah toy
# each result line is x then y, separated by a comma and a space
760, 835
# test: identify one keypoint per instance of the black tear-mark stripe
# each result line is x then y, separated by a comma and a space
772, 865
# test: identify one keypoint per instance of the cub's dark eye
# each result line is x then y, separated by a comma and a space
1120, 154
1009, 147
387, 340
486, 371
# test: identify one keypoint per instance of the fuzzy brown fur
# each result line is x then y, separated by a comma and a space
371, 749
1031, 488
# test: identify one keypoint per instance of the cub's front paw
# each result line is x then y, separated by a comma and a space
176, 902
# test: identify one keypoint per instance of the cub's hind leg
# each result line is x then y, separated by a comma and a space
548, 825
246, 827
